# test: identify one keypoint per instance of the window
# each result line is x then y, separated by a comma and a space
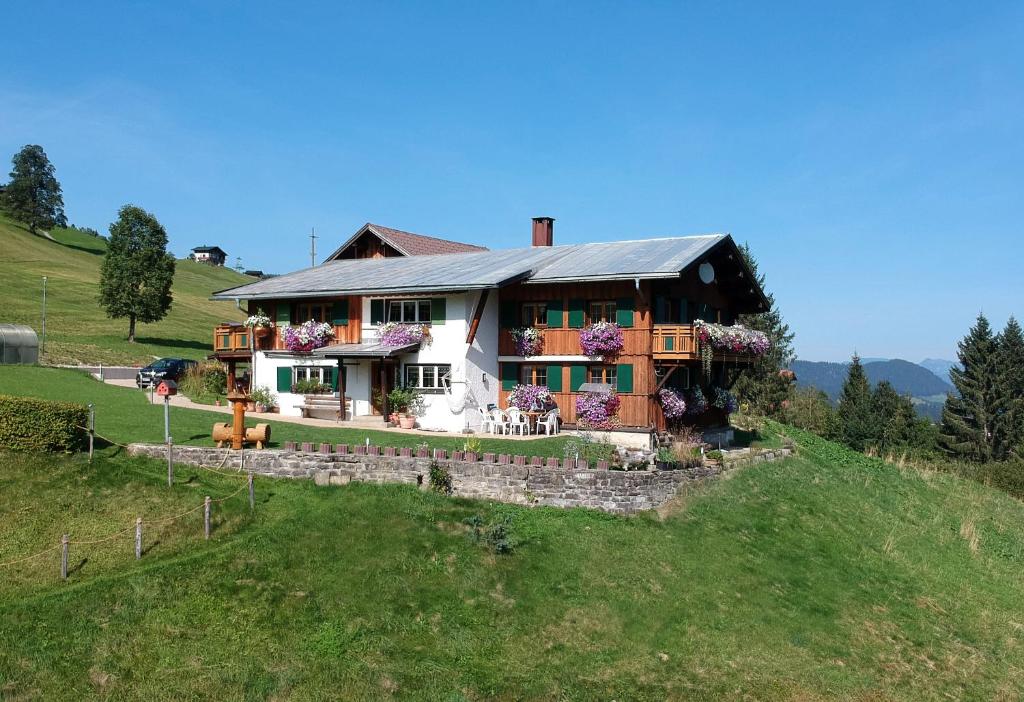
603, 311
602, 374
319, 374
535, 314
427, 377
316, 311
533, 375
409, 311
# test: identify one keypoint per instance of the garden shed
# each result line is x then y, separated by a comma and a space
18, 344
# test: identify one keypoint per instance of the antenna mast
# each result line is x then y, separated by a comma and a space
312, 247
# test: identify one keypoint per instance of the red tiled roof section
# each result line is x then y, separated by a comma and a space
420, 245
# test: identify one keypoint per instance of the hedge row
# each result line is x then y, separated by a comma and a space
28, 424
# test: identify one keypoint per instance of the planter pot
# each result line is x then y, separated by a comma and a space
261, 407
261, 332
407, 422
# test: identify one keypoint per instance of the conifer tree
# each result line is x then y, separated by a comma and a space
33, 195
1009, 362
968, 418
761, 386
856, 409
137, 271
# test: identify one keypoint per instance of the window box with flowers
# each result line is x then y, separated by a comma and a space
307, 336
597, 410
736, 339
259, 323
396, 334
601, 339
673, 404
529, 397
529, 341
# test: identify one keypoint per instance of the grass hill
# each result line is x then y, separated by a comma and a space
827, 576
77, 329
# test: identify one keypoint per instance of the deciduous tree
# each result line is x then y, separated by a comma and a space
33, 195
137, 271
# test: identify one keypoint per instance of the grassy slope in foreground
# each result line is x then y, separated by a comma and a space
126, 415
830, 576
77, 329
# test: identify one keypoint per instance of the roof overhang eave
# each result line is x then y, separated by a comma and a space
368, 292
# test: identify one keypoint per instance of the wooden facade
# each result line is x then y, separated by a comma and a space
345, 314
659, 337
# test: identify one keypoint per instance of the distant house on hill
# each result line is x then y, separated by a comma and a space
255, 274
213, 255
375, 241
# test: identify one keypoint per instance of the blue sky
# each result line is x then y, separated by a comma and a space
871, 153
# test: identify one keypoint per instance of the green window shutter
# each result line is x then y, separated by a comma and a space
376, 311
577, 376
438, 310
624, 378
624, 311
555, 378
339, 313
576, 318
554, 314
508, 316
284, 379
684, 311
284, 314
509, 375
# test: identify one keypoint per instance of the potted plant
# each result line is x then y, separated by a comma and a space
601, 339
259, 323
406, 403
307, 336
263, 398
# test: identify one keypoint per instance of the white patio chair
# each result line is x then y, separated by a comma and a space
486, 421
548, 423
499, 422
518, 422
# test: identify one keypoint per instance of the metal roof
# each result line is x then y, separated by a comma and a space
645, 258
369, 349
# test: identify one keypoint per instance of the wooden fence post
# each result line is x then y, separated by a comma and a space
138, 538
206, 516
64, 557
170, 462
252, 493
92, 429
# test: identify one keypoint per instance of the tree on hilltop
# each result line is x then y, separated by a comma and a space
968, 419
1009, 371
33, 195
760, 385
856, 409
137, 272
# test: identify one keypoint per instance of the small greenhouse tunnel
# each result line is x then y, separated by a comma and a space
18, 344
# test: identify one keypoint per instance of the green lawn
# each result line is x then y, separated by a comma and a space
77, 330
829, 576
125, 415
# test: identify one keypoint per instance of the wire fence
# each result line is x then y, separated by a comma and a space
66, 541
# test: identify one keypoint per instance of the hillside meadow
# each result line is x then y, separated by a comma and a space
77, 329
827, 576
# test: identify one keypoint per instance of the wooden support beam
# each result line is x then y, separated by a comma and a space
477, 314
384, 388
231, 374
341, 389
661, 383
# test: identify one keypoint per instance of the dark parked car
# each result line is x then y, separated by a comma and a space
164, 369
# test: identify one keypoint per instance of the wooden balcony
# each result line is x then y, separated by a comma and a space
231, 339
678, 342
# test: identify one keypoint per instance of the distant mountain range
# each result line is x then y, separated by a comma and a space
924, 384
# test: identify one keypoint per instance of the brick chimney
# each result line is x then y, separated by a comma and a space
543, 231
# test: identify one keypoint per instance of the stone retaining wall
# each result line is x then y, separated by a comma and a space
514, 479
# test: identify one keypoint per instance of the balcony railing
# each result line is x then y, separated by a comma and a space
228, 338
674, 341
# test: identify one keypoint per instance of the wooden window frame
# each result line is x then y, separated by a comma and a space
608, 310
417, 305
606, 371
537, 311
302, 312
439, 371
533, 374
